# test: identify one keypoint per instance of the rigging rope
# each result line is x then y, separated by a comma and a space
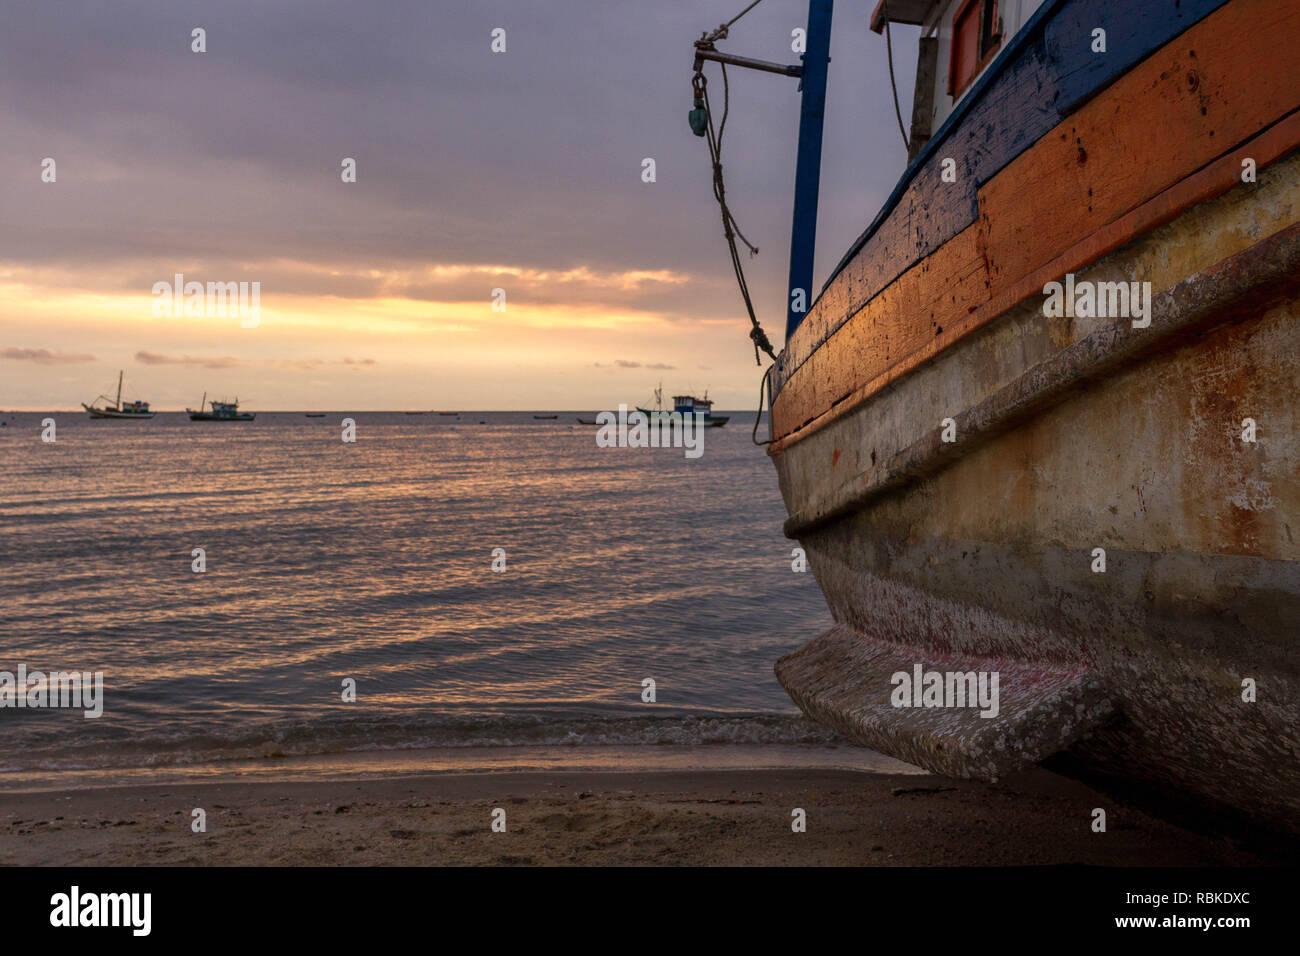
721, 32
730, 228
763, 384
889, 50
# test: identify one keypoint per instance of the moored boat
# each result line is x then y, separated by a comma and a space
685, 405
221, 412
1041, 420
118, 409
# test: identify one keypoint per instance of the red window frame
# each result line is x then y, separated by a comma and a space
981, 16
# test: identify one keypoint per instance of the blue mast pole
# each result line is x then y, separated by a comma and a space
808, 165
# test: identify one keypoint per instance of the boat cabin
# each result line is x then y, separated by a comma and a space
689, 404
959, 39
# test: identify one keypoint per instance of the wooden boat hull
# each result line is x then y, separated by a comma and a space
710, 421
108, 413
1176, 666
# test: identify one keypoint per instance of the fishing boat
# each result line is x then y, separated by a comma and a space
545, 417
685, 405
118, 409
308, 414
221, 412
1041, 419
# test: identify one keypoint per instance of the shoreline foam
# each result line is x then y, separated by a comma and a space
347, 765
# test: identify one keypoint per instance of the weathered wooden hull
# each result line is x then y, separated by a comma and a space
109, 413
1074, 435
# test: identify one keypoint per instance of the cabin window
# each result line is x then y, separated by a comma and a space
976, 36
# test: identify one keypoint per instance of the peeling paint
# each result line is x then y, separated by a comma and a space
980, 550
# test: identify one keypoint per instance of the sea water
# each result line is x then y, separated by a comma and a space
372, 563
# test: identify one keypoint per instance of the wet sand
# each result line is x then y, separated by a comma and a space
722, 817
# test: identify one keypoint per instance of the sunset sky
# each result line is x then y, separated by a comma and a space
475, 170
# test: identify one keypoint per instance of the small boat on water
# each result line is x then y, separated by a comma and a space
685, 405
1041, 420
118, 409
313, 414
545, 417
221, 412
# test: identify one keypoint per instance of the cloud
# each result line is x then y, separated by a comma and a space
226, 361
182, 163
624, 363
314, 363
153, 358
44, 356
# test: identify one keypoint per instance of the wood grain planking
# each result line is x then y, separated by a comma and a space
1220, 82
1206, 184
1127, 167
930, 211
899, 322
1017, 106
1129, 28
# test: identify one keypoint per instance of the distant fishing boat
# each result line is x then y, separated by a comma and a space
314, 414
545, 417
412, 413
686, 405
586, 421
117, 409
457, 414
221, 412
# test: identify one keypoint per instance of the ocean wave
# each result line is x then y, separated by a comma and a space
461, 731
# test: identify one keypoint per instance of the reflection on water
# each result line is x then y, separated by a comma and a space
372, 561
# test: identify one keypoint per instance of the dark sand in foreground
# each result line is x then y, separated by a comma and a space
576, 817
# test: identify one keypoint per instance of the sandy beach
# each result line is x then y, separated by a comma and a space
726, 817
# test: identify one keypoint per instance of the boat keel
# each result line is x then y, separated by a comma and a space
854, 683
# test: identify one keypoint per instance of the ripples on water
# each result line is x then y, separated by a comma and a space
372, 560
